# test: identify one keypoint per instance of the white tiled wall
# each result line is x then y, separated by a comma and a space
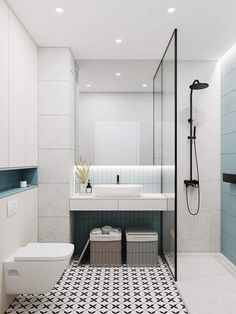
56, 64
200, 233
53, 98
56, 132
54, 200
56, 142
54, 229
55, 166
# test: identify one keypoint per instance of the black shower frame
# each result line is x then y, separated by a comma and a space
173, 37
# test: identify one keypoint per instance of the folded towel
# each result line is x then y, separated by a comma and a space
107, 229
96, 231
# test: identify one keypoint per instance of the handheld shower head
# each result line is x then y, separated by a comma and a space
197, 85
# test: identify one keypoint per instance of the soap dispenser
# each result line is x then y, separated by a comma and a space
89, 187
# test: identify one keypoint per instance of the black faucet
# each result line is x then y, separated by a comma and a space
117, 179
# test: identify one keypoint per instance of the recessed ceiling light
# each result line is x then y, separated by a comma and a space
144, 85
88, 85
118, 74
59, 10
118, 41
171, 10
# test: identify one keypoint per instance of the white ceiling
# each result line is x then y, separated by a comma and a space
89, 27
101, 75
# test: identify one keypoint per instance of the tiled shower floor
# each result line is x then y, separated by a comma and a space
103, 290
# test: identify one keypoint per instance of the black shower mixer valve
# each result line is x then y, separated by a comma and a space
192, 183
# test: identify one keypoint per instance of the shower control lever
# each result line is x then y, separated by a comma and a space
194, 131
193, 137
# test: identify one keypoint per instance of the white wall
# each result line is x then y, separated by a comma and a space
16, 231
200, 233
18, 132
18, 97
56, 142
114, 107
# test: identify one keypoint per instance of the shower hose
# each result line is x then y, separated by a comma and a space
198, 187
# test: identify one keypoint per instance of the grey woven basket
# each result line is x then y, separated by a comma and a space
104, 253
142, 253
141, 246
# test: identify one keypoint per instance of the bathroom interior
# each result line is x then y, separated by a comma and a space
117, 164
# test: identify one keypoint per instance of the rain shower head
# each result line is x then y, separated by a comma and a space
197, 85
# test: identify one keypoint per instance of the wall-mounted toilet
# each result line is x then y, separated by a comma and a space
36, 267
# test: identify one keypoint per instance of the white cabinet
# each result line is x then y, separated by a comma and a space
3, 84
12, 228
16, 230
93, 204
17, 93
18, 97
31, 114
146, 202
143, 204
21, 227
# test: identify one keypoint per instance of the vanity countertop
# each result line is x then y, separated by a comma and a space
147, 201
144, 196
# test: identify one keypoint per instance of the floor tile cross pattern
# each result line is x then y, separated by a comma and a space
106, 290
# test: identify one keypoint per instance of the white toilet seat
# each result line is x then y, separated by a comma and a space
44, 252
36, 268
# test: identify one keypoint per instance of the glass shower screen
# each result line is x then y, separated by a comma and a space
165, 147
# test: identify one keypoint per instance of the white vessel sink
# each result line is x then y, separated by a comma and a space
124, 190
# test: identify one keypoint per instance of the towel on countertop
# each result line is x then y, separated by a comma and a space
105, 230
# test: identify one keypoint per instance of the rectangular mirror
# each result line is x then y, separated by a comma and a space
115, 111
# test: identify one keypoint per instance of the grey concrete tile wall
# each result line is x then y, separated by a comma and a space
56, 143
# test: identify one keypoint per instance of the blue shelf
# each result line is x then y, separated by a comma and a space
10, 180
12, 191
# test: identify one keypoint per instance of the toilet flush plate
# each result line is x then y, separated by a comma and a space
12, 207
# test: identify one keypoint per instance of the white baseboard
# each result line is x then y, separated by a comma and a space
198, 254
231, 267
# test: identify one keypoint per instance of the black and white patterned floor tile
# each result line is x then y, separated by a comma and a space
103, 290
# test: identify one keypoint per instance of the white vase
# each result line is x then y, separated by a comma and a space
82, 188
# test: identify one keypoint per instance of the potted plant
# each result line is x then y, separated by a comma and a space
82, 172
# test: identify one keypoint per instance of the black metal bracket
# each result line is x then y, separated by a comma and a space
193, 183
230, 178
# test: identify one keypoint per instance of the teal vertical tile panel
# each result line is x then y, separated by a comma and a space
228, 124
228, 159
228, 103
